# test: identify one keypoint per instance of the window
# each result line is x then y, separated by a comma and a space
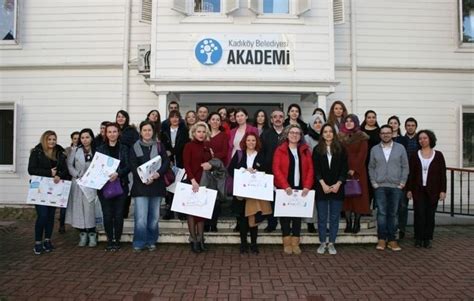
467, 21
8, 21
276, 7
207, 6
7, 136
468, 137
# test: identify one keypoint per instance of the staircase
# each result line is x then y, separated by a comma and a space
176, 231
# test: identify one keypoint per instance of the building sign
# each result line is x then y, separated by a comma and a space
226, 51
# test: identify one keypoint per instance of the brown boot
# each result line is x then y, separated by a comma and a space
287, 245
295, 245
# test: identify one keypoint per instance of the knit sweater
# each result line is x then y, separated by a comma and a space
391, 173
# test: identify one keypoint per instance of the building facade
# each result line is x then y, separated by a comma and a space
67, 65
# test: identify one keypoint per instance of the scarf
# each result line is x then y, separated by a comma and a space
137, 147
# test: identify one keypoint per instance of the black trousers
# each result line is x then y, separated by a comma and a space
290, 226
425, 212
113, 216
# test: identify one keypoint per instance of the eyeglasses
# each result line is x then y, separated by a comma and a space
294, 133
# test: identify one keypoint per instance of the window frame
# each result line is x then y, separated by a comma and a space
15, 42
461, 43
291, 9
470, 110
11, 105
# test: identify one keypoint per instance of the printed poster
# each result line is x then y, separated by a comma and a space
258, 185
98, 172
147, 169
199, 203
43, 191
180, 174
294, 205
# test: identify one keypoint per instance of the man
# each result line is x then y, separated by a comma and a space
202, 113
271, 138
388, 172
412, 147
173, 106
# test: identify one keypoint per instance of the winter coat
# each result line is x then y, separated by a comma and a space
124, 168
182, 137
40, 165
282, 170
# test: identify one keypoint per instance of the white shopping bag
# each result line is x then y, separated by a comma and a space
294, 205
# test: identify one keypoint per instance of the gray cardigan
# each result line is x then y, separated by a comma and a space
388, 174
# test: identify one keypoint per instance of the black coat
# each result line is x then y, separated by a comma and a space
129, 136
124, 167
330, 175
40, 165
301, 123
182, 137
270, 141
158, 187
258, 163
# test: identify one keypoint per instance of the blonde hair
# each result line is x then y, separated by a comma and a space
44, 144
193, 130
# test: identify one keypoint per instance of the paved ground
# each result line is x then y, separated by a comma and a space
173, 272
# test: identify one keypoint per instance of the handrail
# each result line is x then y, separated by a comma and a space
461, 171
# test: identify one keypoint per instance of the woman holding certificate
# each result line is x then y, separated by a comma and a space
293, 170
250, 211
47, 159
330, 169
147, 195
112, 196
196, 155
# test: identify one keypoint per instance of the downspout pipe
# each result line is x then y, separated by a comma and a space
354, 100
125, 55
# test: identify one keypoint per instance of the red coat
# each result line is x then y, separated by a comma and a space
281, 166
219, 146
195, 153
436, 181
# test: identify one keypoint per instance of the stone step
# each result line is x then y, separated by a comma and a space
181, 235
229, 223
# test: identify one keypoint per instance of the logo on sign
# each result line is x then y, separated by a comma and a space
208, 51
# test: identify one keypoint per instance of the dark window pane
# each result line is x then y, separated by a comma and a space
468, 21
6, 136
468, 139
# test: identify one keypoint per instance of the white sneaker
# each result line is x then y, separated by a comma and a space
322, 248
332, 249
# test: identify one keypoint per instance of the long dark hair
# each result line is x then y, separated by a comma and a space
265, 123
221, 128
156, 124
332, 119
115, 125
127, 119
91, 133
395, 117
336, 146
363, 124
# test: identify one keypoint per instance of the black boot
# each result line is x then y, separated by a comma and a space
348, 223
356, 228
311, 228
253, 240
202, 245
195, 247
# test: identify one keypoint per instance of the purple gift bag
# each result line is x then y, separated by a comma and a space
112, 189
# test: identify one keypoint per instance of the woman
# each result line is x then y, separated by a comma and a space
128, 133
312, 139
236, 134
371, 127
113, 208
100, 138
426, 186
47, 159
330, 168
320, 112
190, 118
250, 211
261, 121
74, 142
195, 157
292, 170
355, 142
394, 123
231, 118
294, 117
155, 118
147, 195
80, 210
224, 122
337, 113
219, 146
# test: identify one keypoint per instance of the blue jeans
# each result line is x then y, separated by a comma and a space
388, 200
44, 222
147, 215
331, 208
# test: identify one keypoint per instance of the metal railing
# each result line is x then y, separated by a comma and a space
458, 199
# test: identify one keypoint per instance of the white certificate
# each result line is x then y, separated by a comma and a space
294, 205
199, 203
43, 191
256, 185
147, 169
102, 166
179, 176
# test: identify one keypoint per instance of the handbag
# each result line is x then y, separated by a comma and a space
112, 189
169, 176
352, 188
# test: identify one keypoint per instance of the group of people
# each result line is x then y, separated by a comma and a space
346, 162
